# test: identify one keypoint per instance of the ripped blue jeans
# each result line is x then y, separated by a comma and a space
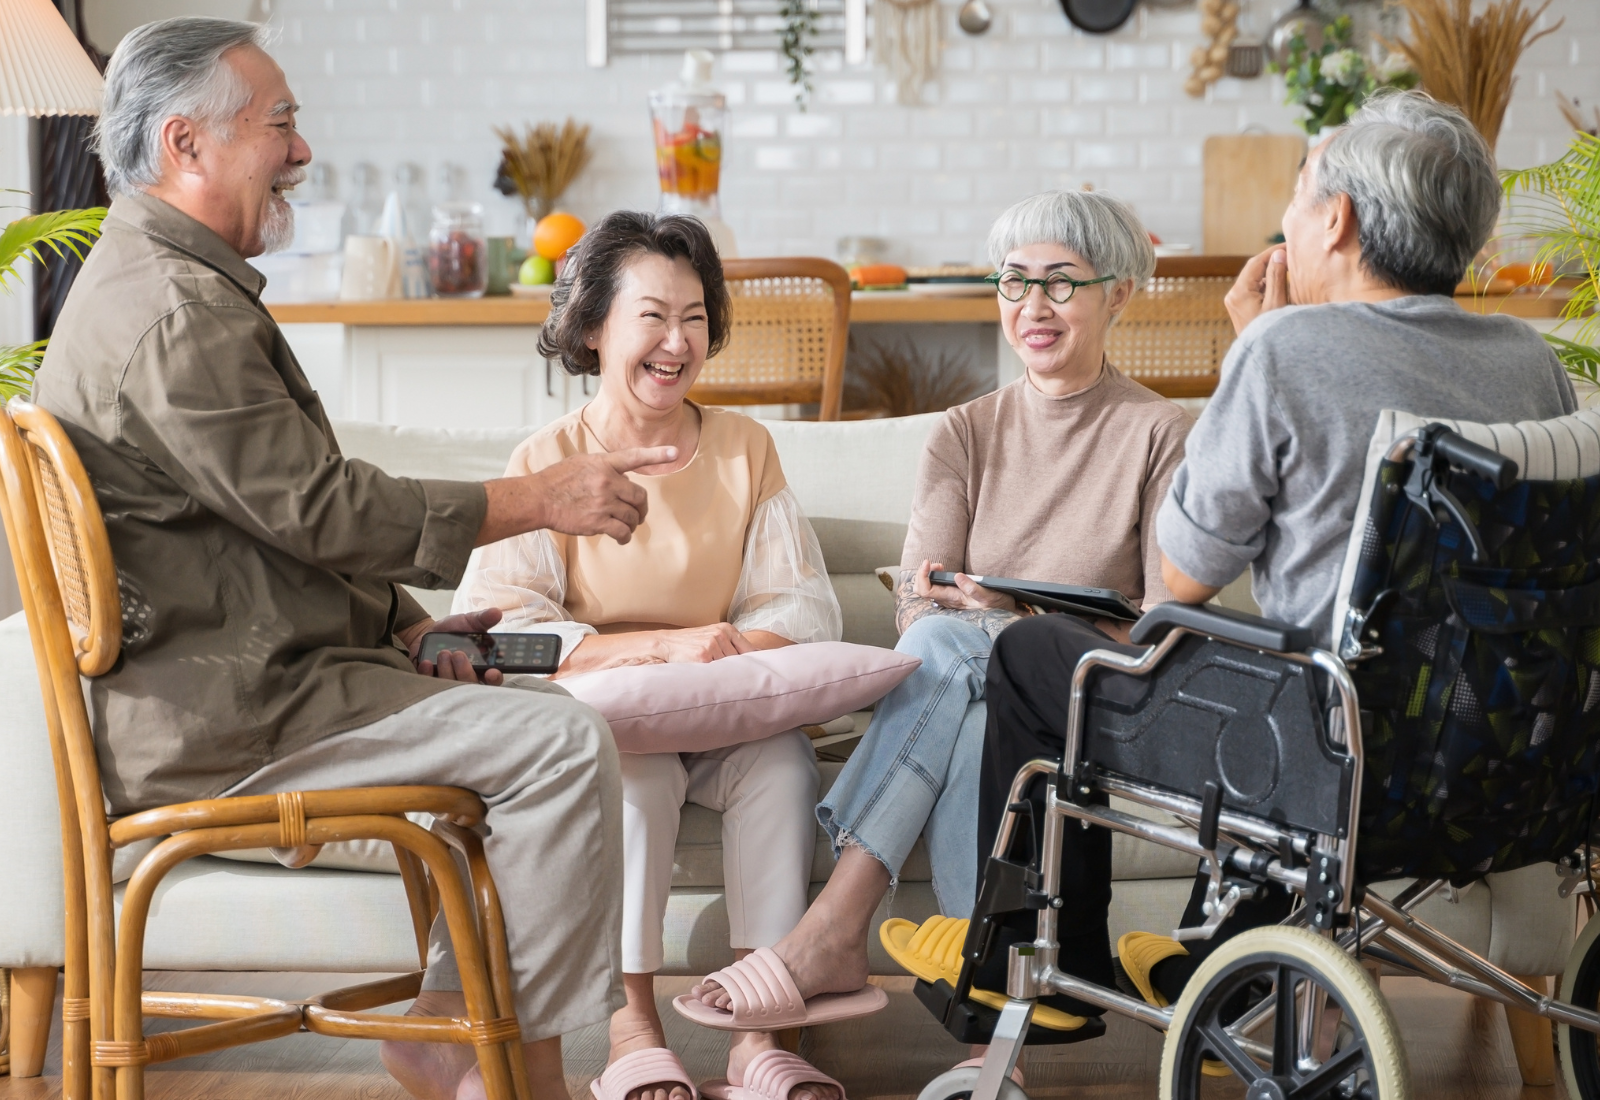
916, 770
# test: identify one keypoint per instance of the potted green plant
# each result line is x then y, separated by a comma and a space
1331, 81
61, 231
1559, 206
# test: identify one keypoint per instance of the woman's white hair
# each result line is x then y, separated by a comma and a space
1098, 226
173, 67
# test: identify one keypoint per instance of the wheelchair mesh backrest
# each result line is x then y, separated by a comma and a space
1213, 712
1483, 731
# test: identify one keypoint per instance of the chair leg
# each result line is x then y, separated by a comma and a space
33, 1001
1533, 1041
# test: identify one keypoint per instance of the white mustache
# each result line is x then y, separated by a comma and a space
289, 178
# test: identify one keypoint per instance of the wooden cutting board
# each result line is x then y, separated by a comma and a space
1249, 180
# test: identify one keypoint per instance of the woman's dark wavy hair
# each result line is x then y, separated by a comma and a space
583, 295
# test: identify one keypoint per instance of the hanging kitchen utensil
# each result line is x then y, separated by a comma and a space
1302, 19
1246, 59
907, 43
975, 18
1098, 16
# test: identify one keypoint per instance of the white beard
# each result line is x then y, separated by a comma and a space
277, 229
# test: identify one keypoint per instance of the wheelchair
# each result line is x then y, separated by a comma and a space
1455, 732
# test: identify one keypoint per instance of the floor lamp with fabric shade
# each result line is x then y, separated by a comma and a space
43, 69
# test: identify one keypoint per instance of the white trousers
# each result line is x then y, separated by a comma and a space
766, 792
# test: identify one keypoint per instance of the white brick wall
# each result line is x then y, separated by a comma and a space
1031, 105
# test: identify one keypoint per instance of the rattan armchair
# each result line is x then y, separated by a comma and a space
1174, 333
791, 321
70, 595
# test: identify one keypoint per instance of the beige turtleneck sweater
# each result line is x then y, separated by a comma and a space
1063, 489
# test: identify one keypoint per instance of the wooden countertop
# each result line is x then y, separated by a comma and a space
865, 308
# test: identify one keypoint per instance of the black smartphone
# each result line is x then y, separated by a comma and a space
1106, 603
540, 653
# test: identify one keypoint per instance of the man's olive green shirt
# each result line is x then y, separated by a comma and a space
258, 566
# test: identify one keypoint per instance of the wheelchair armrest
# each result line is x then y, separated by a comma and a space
1220, 622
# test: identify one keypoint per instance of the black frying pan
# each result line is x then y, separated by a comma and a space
1098, 16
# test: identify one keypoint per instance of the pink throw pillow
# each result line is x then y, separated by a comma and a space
696, 707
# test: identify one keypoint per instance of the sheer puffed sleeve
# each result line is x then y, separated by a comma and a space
527, 580
783, 586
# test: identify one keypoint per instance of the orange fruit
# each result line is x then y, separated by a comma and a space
556, 233
1526, 274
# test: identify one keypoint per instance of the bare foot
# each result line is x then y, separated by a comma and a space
546, 1076
742, 1050
637, 1027
430, 1071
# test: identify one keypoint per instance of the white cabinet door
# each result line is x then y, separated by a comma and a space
468, 376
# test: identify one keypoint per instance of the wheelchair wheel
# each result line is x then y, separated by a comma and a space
957, 1084
1580, 986
1367, 1061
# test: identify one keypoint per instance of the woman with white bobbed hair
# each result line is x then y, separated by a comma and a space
1054, 477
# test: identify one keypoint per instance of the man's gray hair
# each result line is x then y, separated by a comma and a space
171, 67
1098, 226
1423, 184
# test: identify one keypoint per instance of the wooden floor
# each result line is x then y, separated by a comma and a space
1458, 1047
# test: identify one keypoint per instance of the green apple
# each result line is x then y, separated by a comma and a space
536, 271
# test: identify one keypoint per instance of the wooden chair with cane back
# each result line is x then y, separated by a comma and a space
1174, 333
786, 345
70, 594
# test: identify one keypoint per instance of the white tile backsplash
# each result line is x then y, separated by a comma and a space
1032, 104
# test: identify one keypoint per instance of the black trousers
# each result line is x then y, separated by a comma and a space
1029, 690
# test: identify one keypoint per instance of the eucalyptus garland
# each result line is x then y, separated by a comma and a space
799, 31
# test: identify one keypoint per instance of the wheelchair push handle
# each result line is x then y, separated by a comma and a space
1462, 452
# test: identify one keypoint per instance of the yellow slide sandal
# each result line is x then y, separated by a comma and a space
1138, 952
932, 951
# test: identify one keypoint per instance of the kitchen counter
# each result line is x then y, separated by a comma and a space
891, 306
871, 306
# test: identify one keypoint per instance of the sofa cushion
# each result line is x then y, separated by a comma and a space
213, 914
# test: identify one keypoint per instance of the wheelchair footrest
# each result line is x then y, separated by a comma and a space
975, 1023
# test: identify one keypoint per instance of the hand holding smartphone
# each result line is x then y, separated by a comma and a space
510, 653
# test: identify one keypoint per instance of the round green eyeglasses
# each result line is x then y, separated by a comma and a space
1013, 285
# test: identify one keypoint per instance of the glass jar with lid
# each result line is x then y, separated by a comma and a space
458, 253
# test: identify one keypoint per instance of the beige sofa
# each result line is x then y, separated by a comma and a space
855, 481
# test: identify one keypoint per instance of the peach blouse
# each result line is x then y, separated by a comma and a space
724, 540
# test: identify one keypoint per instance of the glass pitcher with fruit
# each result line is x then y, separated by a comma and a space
687, 117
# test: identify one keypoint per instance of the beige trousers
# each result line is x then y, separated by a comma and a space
766, 792
546, 767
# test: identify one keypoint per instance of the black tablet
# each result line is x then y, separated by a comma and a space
1075, 599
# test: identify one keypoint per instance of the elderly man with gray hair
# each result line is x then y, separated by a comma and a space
1352, 315
267, 643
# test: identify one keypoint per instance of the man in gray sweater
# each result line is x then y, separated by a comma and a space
1352, 315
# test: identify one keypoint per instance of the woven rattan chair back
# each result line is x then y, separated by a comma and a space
787, 341
68, 581
1173, 335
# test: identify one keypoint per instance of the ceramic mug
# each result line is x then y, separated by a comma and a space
371, 269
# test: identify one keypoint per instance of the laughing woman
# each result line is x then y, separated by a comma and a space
724, 562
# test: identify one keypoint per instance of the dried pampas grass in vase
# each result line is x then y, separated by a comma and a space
541, 164
1470, 61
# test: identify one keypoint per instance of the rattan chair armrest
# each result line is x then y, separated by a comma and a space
454, 803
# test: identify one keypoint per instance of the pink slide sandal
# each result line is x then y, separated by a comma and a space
765, 999
643, 1067
771, 1075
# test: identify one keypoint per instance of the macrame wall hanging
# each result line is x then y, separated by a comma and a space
906, 42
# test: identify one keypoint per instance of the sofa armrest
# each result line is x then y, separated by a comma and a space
31, 912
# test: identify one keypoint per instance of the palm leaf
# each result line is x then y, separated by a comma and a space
61, 231
1559, 204
17, 367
